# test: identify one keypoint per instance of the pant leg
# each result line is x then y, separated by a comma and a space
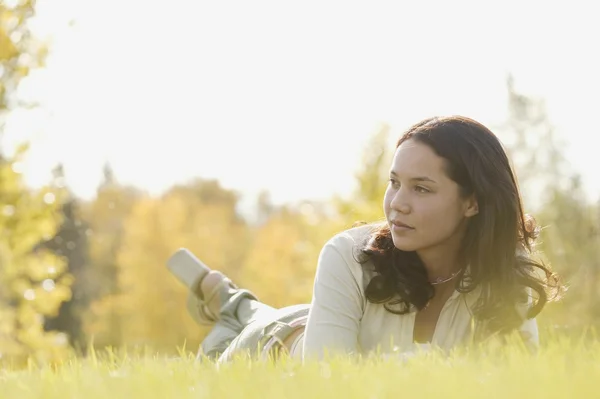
238, 309
250, 339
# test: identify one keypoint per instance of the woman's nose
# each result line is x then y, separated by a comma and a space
400, 202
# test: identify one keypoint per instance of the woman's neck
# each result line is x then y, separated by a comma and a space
441, 261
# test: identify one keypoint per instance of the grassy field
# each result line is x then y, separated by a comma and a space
563, 368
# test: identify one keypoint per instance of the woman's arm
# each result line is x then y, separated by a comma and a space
529, 329
529, 334
336, 306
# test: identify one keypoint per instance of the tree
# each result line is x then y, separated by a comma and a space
71, 243
149, 303
569, 238
33, 281
20, 53
570, 242
281, 264
534, 147
264, 207
366, 203
105, 216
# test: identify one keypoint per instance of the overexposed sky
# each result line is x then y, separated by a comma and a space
283, 95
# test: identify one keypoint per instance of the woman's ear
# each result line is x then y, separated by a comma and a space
472, 207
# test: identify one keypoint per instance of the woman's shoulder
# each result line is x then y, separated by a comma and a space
341, 262
347, 245
352, 239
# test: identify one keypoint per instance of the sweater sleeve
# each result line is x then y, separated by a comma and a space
337, 304
529, 328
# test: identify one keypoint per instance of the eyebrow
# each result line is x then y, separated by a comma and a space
420, 178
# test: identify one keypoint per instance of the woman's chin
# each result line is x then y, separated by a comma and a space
404, 245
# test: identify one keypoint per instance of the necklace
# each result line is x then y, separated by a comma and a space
441, 280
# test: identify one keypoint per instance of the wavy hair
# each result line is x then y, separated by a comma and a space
498, 244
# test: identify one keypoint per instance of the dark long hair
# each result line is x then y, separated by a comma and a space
499, 240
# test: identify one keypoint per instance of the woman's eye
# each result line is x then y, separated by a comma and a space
394, 183
421, 189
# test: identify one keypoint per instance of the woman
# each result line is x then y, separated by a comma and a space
452, 263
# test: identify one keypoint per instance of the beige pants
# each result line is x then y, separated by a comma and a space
245, 324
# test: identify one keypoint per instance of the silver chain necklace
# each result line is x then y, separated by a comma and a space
441, 280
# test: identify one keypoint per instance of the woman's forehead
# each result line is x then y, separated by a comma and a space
413, 158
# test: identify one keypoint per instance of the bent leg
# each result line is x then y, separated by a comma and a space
277, 325
231, 310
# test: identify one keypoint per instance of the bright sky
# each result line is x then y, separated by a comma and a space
283, 95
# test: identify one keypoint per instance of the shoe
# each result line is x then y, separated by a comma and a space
191, 271
198, 301
188, 269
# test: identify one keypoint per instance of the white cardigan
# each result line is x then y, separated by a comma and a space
342, 320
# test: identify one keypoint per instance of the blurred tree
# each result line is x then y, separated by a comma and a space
20, 53
71, 243
534, 147
571, 244
150, 303
366, 203
281, 265
264, 207
104, 217
199, 198
569, 238
33, 281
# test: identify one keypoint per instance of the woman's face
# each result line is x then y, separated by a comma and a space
423, 206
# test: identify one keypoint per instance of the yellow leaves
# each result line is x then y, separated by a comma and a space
7, 49
31, 285
42, 265
18, 286
280, 266
50, 294
11, 182
366, 203
33, 281
150, 307
100, 320
20, 152
8, 317
17, 45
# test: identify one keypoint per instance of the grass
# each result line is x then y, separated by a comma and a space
564, 367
